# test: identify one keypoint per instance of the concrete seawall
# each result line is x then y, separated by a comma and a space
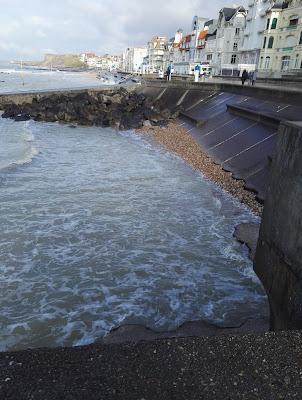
236, 126
278, 261
289, 95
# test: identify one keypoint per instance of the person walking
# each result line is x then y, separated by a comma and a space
254, 77
196, 72
250, 77
244, 77
168, 73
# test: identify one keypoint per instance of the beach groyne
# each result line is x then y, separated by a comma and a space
116, 107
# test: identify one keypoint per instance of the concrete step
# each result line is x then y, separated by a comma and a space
268, 118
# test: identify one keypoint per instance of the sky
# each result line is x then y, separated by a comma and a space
30, 28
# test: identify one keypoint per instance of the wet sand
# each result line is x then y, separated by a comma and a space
175, 139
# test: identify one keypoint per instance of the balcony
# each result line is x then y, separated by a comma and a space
290, 28
285, 49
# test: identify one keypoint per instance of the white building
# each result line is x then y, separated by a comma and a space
157, 47
229, 38
133, 59
172, 49
211, 54
87, 57
190, 50
253, 34
281, 52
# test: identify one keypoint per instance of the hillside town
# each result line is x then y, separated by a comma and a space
265, 37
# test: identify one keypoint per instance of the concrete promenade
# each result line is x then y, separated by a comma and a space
266, 367
285, 94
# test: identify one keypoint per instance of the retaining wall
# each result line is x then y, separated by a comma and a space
278, 261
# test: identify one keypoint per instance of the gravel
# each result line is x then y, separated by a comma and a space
175, 139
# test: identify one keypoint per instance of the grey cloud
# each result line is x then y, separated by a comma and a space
28, 28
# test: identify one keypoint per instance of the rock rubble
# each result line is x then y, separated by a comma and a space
117, 108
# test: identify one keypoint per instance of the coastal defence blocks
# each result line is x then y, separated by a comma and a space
278, 261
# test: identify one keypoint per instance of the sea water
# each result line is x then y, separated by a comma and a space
15, 79
101, 228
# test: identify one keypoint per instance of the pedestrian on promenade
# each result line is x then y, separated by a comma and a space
244, 76
160, 74
168, 73
196, 72
254, 77
250, 77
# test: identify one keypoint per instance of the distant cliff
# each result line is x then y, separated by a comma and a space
62, 61
59, 61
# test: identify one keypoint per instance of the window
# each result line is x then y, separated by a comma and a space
267, 62
209, 57
261, 63
270, 42
300, 41
274, 23
264, 42
293, 22
237, 31
285, 63
267, 23
235, 46
297, 61
234, 59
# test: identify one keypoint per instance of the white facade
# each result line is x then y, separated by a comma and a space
229, 38
157, 47
211, 55
172, 49
133, 59
87, 57
281, 51
253, 34
190, 50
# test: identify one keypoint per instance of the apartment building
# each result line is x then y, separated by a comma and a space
133, 58
281, 52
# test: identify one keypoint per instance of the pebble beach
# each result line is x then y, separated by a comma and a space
175, 139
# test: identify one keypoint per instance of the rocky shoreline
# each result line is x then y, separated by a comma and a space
117, 108
175, 139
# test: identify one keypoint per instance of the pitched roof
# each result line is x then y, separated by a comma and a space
202, 35
228, 12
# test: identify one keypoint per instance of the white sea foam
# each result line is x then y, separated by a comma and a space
16, 144
105, 229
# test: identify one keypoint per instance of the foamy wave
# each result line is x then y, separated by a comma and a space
20, 145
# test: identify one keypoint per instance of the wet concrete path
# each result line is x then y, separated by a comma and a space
265, 366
